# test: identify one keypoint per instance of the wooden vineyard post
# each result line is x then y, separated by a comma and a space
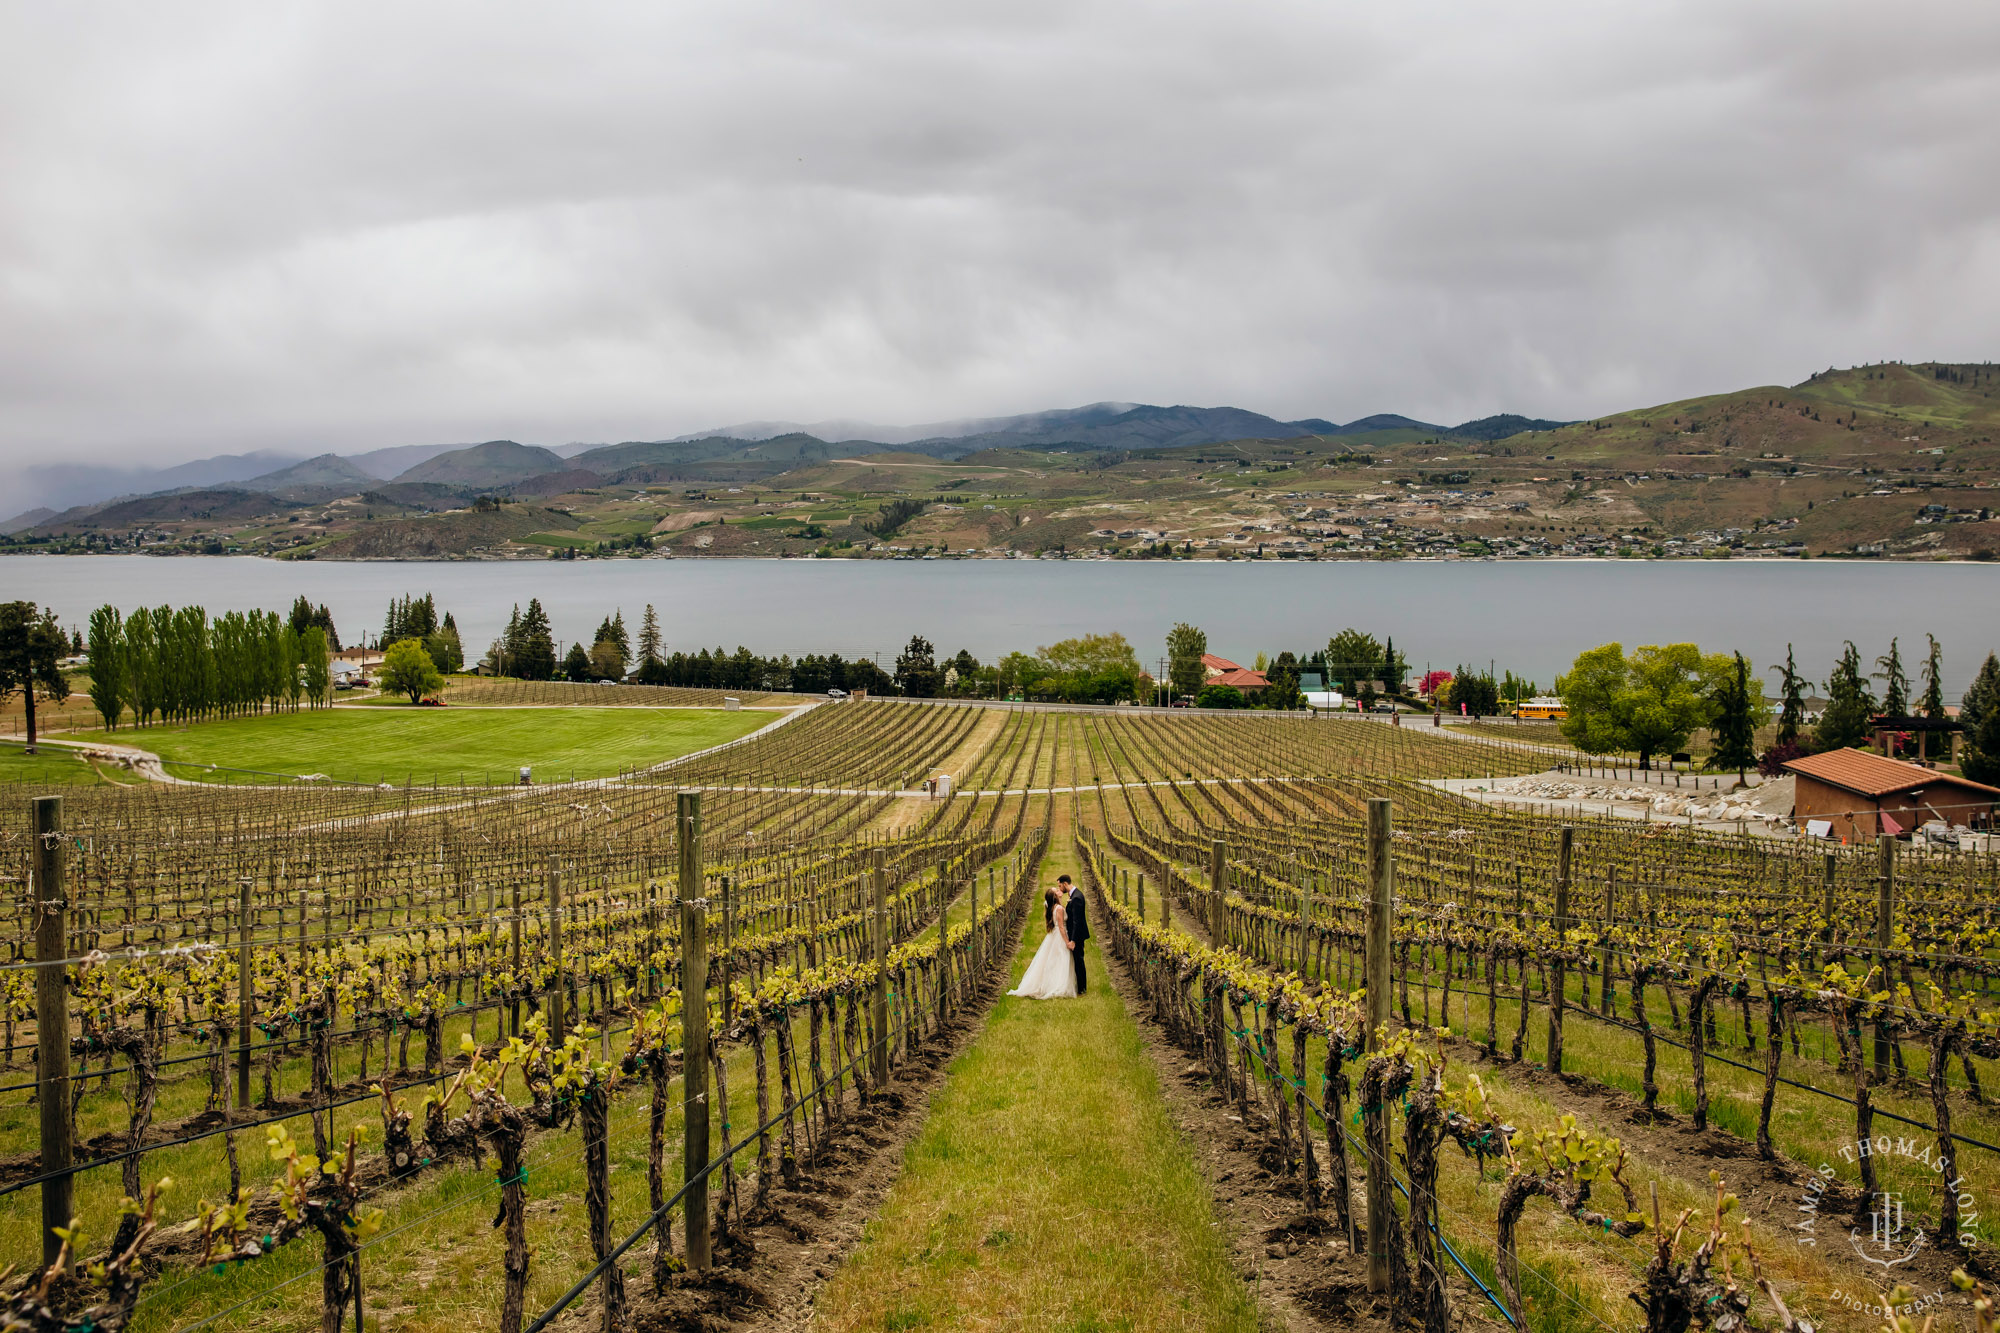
1305, 928
45, 899
1558, 981
1218, 886
652, 937
944, 921
514, 1004
244, 993
1604, 947
1142, 897
1381, 911
1832, 870
728, 944
555, 954
1885, 936
878, 1055
694, 1027
1167, 900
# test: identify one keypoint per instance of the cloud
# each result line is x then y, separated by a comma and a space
356, 225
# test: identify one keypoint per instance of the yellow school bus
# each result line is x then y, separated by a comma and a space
1541, 708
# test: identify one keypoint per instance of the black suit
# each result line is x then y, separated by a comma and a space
1078, 926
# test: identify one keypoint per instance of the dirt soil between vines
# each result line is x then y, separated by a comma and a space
1295, 1263
768, 1275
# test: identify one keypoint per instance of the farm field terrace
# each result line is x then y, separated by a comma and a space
381, 928
448, 745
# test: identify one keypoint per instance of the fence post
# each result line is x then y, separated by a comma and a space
878, 1055
1885, 936
694, 1027
1558, 978
244, 993
555, 954
52, 1022
1305, 929
1381, 911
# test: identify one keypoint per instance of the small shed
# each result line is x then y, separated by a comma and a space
1861, 795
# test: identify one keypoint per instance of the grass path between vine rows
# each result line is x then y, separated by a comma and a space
1049, 1189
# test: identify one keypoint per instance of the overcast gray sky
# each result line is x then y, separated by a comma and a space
303, 227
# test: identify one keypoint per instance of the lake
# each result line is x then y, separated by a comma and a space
1532, 616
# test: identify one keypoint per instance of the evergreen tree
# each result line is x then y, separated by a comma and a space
1980, 759
649, 638
1933, 704
1849, 704
917, 673
1735, 726
534, 650
1393, 666
1979, 700
1896, 685
1792, 711
576, 666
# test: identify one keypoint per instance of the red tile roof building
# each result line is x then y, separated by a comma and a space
1222, 671
1864, 794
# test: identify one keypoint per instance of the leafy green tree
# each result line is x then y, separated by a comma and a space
1792, 708
606, 663
1933, 702
1186, 646
1093, 668
1020, 673
1735, 726
31, 651
108, 689
1352, 657
609, 651
316, 666
1220, 696
408, 669
917, 673
1649, 703
1849, 705
1896, 684
576, 665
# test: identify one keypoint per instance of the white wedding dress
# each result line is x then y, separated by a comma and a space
1050, 976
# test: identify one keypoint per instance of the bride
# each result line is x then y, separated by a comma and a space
1050, 976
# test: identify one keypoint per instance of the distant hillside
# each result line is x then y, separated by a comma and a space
494, 463
1500, 427
1123, 426
225, 504
323, 471
441, 536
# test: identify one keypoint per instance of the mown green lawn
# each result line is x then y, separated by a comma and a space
52, 765
419, 744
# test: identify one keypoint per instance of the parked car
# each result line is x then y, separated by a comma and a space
836, 695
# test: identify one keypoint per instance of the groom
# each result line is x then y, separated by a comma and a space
1078, 927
